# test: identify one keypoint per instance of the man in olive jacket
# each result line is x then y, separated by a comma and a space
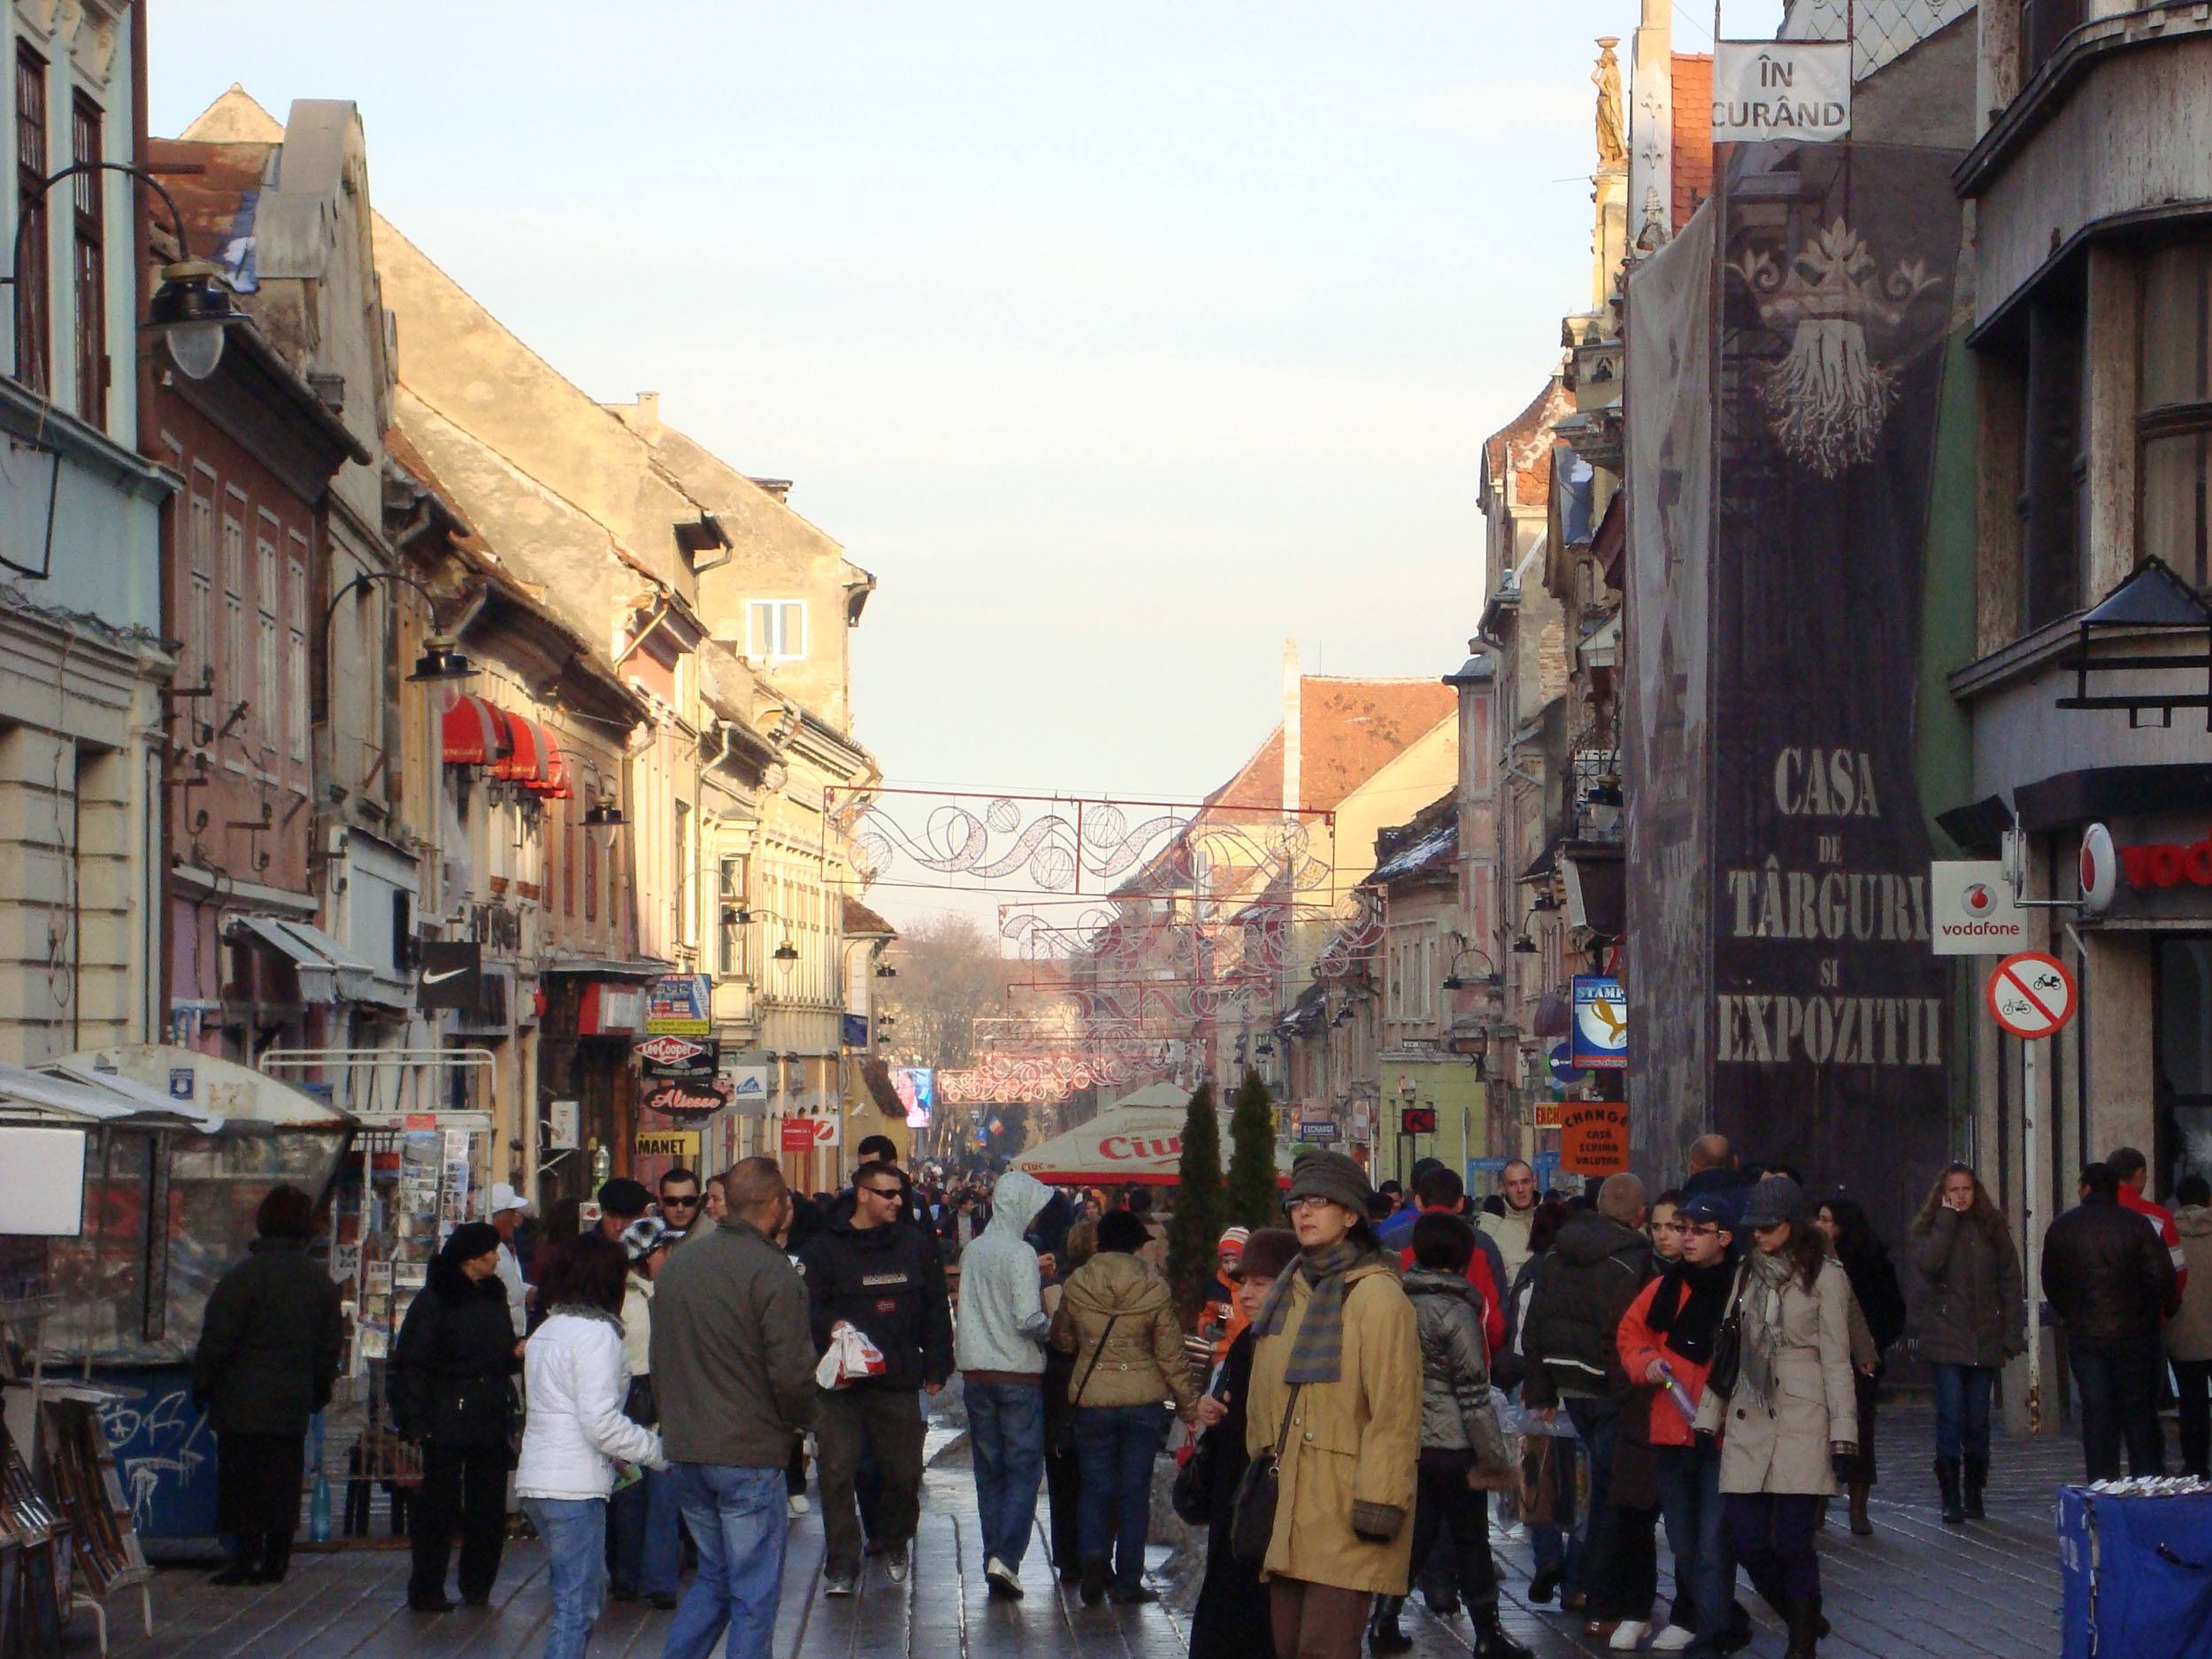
733, 1378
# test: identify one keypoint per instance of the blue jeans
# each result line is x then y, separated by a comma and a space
575, 1534
647, 1534
739, 1520
1116, 1446
1697, 1532
1598, 1424
1961, 1398
1006, 1438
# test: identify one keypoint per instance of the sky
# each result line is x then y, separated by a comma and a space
1121, 343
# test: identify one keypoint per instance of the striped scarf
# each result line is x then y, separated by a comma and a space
1317, 1353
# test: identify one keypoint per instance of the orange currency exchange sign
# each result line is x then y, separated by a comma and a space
1593, 1137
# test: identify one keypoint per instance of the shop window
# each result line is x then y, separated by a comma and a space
2173, 423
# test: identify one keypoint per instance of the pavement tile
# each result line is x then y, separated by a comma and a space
1990, 1591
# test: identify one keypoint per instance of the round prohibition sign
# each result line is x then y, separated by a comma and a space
2031, 995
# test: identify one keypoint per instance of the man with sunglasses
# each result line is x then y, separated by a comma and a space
885, 1279
683, 1205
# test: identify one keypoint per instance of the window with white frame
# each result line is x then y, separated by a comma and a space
199, 644
236, 686
295, 662
268, 597
775, 630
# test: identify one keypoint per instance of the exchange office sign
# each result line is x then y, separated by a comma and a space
677, 1006
1797, 89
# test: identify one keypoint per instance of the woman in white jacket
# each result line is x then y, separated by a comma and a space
576, 1431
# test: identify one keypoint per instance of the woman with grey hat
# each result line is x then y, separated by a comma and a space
1794, 1413
1336, 1397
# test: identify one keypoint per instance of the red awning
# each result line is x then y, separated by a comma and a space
556, 786
526, 762
473, 732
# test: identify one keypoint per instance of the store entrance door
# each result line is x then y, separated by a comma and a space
2184, 1059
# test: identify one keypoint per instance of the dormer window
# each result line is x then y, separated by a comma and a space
775, 630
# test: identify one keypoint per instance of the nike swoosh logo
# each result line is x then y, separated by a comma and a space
440, 978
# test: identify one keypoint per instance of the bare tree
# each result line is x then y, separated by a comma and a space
949, 975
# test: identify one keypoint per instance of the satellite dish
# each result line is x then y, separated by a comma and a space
2099, 869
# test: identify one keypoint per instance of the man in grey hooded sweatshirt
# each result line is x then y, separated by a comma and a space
999, 1348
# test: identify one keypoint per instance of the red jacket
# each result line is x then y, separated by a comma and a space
1640, 1345
1478, 1276
2168, 1235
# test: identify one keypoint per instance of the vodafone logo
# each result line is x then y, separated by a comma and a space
1977, 900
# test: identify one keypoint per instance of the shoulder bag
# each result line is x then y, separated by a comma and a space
1193, 1494
1720, 1376
1252, 1523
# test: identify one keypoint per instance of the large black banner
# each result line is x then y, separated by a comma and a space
1829, 1012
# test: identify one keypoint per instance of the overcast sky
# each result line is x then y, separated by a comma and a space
1121, 343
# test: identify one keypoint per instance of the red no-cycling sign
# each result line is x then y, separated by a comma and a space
2031, 995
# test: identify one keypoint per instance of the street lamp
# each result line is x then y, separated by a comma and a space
189, 313
439, 661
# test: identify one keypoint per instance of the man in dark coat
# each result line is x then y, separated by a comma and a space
880, 1276
266, 1363
1570, 1339
2108, 1276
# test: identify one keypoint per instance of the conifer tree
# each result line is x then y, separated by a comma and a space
1193, 1231
1254, 1199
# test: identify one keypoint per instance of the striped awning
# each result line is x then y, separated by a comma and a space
527, 752
473, 732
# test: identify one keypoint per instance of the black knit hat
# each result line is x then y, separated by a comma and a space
625, 1197
1267, 1253
471, 1239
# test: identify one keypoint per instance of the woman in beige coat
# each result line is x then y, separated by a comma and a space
1794, 1411
1115, 1319
1336, 1383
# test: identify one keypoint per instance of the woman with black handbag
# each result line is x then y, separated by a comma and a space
450, 1392
1231, 1619
1325, 1509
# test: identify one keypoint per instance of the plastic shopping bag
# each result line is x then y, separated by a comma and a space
850, 1357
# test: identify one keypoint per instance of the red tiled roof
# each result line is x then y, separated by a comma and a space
1521, 445
863, 922
1693, 147
1348, 731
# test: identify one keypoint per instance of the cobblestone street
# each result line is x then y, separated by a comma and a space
1915, 1588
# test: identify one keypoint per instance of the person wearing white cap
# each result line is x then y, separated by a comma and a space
509, 1206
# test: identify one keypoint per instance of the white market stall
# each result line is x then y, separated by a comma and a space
1139, 1139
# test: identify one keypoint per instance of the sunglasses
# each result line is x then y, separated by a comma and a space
681, 1203
884, 1192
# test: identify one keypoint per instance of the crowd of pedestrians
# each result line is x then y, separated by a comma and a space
1355, 1388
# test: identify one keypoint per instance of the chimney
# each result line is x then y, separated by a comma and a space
1292, 740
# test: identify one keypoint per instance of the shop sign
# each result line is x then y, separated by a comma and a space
610, 1010
1564, 1069
1417, 1120
677, 1006
853, 1030
1548, 1113
687, 1097
805, 1134
2166, 864
747, 1084
1601, 1024
1593, 1137
563, 1125
680, 1144
1971, 910
679, 1060
1794, 89
1317, 1129
182, 1080
451, 975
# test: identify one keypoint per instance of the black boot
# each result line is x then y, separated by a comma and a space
1976, 1478
1861, 1527
1383, 1634
1092, 1586
1545, 1585
1946, 1471
276, 1559
238, 1565
1492, 1642
1805, 1626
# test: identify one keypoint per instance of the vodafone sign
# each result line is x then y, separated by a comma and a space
1971, 912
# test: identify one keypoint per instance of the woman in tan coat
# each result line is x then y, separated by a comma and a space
1794, 1411
1115, 1319
1336, 1383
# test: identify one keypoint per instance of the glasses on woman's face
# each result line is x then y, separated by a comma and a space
1307, 1204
